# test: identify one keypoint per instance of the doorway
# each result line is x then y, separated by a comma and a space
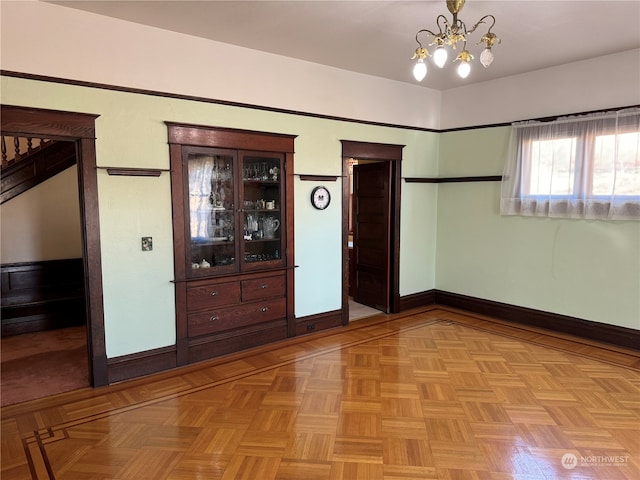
43, 346
370, 226
78, 128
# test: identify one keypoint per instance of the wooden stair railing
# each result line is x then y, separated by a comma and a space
29, 165
22, 148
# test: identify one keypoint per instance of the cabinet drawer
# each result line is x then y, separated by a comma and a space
221, 319
214, 295
266, 287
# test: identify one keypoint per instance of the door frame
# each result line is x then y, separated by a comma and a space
381, 152
80, 129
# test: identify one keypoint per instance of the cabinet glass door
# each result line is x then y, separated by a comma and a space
211, 211
264, 221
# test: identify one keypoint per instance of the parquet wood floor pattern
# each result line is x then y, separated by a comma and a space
429, 394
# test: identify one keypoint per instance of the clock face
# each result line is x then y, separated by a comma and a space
320, 198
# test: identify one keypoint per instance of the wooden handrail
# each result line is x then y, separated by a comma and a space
22, 148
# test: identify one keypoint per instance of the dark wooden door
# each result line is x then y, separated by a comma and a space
372, 232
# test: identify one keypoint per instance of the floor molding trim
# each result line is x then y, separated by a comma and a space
587, 329
416, 300
141, 363
319, 321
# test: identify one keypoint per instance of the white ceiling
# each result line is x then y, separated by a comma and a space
378, 37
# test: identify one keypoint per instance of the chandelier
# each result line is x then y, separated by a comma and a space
450, 34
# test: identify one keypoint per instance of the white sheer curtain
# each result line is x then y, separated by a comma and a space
200, 171
576, 167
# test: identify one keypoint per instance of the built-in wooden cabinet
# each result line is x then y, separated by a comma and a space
233, 239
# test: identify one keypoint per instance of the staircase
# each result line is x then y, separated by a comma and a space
28, 165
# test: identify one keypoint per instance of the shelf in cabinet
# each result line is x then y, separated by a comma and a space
261, 182
262, 240
210, 243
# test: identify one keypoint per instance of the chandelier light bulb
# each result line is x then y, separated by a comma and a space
440, 56
464, 69
420, 70
486, 57
453, 33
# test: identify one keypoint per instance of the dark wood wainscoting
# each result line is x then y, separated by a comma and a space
44, 295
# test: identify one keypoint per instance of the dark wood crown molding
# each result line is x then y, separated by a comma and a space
155, 93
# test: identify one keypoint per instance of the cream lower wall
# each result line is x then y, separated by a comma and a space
581, 268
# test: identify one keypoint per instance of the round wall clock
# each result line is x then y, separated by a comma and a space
320, 198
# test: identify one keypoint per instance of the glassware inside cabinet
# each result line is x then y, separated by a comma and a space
262, 197
211, 212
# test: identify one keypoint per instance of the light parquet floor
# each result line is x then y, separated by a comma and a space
429, 394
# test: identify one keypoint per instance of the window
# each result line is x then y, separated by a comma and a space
575, 167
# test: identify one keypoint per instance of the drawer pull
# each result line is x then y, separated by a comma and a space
213, 318
214, 293
264, 309
264, 285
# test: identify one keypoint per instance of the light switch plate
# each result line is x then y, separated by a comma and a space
147, 244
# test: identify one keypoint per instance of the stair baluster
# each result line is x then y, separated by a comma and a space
4, 152
16, 144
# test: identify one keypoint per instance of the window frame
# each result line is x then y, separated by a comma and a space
583, 160
519, 180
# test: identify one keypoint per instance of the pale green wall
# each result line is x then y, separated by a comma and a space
138, 296
545, 264
478, 252
580, 268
